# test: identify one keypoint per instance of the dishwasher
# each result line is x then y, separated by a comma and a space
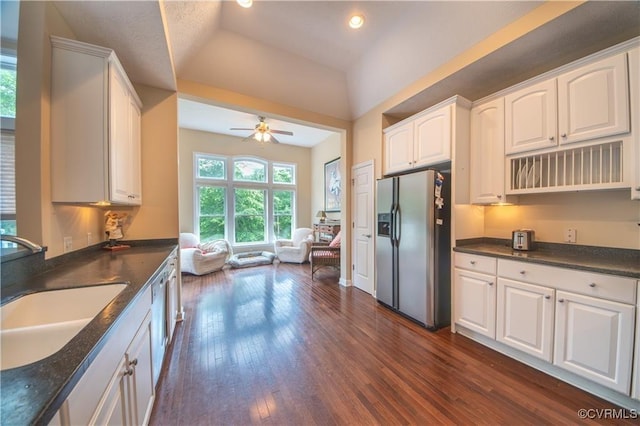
158, 323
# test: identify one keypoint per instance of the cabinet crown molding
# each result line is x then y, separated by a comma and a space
457, 100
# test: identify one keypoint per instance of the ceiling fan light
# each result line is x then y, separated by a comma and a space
356, 21
245, 3
266, 137
258, 136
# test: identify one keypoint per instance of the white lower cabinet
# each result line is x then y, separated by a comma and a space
475, 302
594, 339
117, 388
525, 317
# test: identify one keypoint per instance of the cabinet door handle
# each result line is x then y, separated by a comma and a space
490, 283
134, 362
473, 262
547, 297
592, 285
561, 300
564, 135
551, 138
523, 272
128, 372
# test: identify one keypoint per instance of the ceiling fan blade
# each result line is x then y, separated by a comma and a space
273, 139
282, 132
240, 128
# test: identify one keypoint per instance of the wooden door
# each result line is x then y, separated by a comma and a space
475, 302
525, 317
531, 118
593, 101
594, 339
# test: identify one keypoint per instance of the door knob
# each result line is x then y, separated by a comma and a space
366, 235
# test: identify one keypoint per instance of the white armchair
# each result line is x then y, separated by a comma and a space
295, 250
200, 259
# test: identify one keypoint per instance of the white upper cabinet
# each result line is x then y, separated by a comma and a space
399, 148
487, 153
95, 127
531, 118
593, 101
634, 89
432, 134
426, 138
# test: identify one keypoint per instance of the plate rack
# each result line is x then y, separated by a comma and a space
590, 167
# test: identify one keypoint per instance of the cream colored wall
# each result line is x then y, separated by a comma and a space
601, 218
38, 219
327, 150
43, 222
192, 141
157, 217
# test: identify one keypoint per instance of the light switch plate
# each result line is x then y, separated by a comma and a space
68, 244
570, 235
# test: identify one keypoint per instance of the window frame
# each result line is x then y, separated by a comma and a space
231, 184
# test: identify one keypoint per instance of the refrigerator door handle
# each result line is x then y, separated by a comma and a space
398, 226
392, 230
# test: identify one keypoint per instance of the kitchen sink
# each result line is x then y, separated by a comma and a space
37, 325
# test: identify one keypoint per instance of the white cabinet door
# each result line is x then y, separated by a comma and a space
594, 339
530, 117
399, 148
634, 90
113, 408
593, 101
525, 317
432, 135
119, 137
475, 302
140, 374
135, 164
487, 153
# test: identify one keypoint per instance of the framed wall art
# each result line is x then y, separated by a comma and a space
332, 185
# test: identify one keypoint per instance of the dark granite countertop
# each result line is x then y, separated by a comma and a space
32, 394
605, 260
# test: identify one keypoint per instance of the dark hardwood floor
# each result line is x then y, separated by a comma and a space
268, 345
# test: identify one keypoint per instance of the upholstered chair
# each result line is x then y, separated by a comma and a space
295, 250
202, 258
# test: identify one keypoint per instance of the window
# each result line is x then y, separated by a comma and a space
7, 142
254, 204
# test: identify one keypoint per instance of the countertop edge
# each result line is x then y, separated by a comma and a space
486, 249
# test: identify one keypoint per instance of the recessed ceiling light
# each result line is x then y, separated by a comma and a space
356, 21
245, 3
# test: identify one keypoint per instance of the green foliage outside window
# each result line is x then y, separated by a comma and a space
7, 92
250, 215
282, 213
211, 168
212, 212
283, 174
249, 171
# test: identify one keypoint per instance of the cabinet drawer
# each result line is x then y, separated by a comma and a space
472, 262
601, 286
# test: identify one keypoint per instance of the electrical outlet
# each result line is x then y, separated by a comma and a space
68, 244
89, 238
570, 235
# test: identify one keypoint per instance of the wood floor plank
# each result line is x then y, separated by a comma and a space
267, 345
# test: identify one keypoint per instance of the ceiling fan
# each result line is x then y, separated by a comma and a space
263, 133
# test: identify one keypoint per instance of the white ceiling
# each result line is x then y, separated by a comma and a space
301, 53
214, 119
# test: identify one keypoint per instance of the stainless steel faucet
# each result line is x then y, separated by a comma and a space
21, 241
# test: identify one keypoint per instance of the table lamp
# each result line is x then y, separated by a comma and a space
322, 215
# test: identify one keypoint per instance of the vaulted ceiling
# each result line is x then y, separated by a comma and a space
302, 54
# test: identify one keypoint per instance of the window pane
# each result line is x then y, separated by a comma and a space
249, 171
250, 215
282, 214
212, 168
284, 174
7, 91
212, 213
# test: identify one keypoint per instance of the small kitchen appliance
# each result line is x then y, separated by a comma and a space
522, 239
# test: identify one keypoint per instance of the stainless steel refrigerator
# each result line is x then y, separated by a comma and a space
413, 246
